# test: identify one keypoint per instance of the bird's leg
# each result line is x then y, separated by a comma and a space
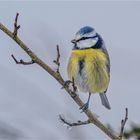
85, 106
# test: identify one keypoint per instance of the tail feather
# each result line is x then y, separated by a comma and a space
104, 100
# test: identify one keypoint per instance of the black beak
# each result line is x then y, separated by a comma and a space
73, 41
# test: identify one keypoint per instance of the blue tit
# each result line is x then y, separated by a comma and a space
89, 65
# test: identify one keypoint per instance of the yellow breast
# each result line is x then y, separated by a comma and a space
94, 69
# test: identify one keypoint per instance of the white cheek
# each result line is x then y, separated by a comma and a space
83, 44
87, 43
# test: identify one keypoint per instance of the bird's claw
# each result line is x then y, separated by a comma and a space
66, 84
84, 107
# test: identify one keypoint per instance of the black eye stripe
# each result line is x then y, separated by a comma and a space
84, 38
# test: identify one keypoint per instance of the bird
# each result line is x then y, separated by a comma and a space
89, 65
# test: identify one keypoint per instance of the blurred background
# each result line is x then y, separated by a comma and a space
31, 100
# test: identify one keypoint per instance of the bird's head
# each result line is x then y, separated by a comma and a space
86, 37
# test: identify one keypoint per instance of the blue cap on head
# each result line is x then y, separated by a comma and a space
85, 30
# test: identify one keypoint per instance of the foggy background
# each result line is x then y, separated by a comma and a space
31, 100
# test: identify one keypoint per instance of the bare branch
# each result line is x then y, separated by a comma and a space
123, 122
63, 120
57, 61
16, 26
91, 117
22, 62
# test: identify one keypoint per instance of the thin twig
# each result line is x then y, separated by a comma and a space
74, 123
57, 61
22, 62
16, 26
123, 122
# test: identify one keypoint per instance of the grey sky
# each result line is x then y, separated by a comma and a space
31, 100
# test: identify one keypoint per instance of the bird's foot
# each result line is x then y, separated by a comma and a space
66, 84
84, 107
